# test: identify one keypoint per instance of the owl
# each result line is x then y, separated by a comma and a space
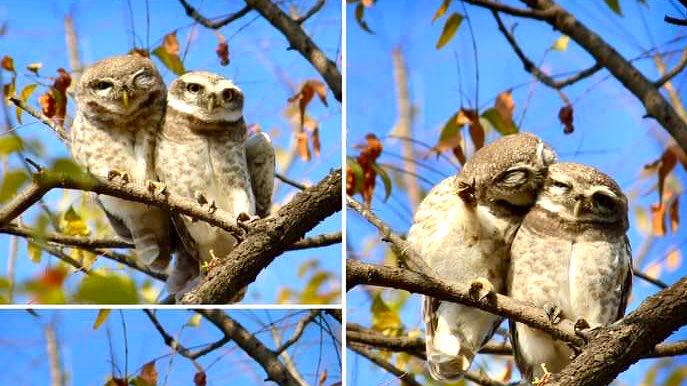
121, 102
204, 153
571, 256
463, 230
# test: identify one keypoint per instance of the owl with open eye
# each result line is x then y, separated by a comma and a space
463, 229
121, 102
571, 257
204, 153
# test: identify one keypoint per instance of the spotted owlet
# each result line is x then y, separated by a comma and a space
571, 257
463, 230
204, 154
121, 102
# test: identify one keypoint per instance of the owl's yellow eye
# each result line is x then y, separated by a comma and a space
102, 85
193, 87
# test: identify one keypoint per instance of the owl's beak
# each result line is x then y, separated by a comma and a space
579, 204
125, 99
211, 102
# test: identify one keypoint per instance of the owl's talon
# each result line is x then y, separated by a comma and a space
481, 288
583, 329
466, 192
114, 173
200, 197
213, 207
156, 187
553, 312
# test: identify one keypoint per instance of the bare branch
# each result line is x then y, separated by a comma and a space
534, 70
498, 7
318, 241
298, 332
289, 181
313, 10
675, 20
205, 22
56, 371
676, 70
406, 377
275, 369
74, 241
268, 238
647, 278
301, 42
399, 278
59, 130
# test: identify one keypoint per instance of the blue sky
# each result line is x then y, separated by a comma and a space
86, 354
260, 64
610, 131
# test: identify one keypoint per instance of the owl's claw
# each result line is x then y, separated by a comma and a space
553, 312
157, 187
481, 288
213, 207
200, 197
114, 173
466, 192
583, 330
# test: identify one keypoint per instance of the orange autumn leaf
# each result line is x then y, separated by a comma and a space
323, 378
54, 101
140, 52
674, 260
565, 115
311, 126
53, 277
505, 106
47, 103
149, 373
7, 63
367, 169
675, 214
222, 50
658, 224
476, 130
171, 44
451, 137
653, 270
306, 94
302, 146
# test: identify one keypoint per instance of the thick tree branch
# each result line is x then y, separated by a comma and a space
275, 369
205, 22
614, 348
534, 70
655, 104
301, 42
399, 278
268, 238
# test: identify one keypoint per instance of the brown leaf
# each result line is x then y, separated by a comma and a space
350, 181
302, 146
306, 93
658, 223
53, 277
476, 129
508, 372
149, 373
667, 164
47, 103
451, 137
323, 377
316, 141
140, 52
505, 106
7, 63
171, 44
366, 160
200, 379
565, 115
459, 153
222, 50
675, 214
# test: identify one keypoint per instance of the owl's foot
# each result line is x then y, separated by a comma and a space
553, 312
200, 197
156, 187
583, 329
545, 378
466, 192
481, 288
123, 176
244, 220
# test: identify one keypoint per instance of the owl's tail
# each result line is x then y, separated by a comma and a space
454, 335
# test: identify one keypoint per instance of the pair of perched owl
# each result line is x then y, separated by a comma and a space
192, 138
518, 223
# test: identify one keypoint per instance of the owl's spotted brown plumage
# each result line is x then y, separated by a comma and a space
570, 255
121, 102
204, 153
463, 230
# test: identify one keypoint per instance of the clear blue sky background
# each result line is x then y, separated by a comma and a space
610, 131
86, 354
260, 64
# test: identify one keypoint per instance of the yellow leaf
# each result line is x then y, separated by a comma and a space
674, 260
561, 44
72, 224
194, 321
24, 96
642, 220
101, 318
283, 295
442, 10
384, 319
149, 293
34, 252
450, 29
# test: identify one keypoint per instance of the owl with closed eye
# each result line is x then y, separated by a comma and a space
204, 153
571, 257
121, 102
463, 229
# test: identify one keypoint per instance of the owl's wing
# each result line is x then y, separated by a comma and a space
627, 282
261, 164
186, 266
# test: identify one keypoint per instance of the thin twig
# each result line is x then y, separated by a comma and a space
298, 332
195, 15
313, 10
676, 70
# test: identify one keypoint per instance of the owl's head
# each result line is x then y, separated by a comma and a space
581, 193
121, 85
206, 96
509, 172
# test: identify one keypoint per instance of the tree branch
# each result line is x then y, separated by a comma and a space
399, 278
301, 42
676, 70
298, 332
74, 241
655, 104
318, 241
514, 11
313, 10
614, 348
275, 369
205, 22
406, 377
534, 70
59, 130
268, 238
